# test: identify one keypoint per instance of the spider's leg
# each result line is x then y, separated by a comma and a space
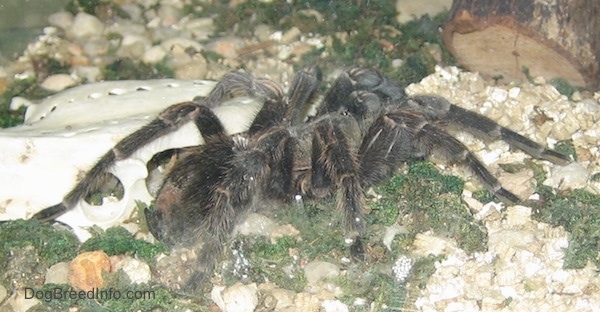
291, 108
387, 144
403, 134
301, 91
279, 184
432, 137
244, 178
237, 83
168, 121
335, 165
170, 219
359, 79
439, 108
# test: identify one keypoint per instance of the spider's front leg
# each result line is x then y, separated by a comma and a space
334, 168
208, 191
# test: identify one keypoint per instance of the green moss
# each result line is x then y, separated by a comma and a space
126, 68
428, 200
578, 211
416, 67
27, 88
87, 6
388, 294
275, 262
422, 269
117, 241
563, 86
484, 196
371, 35
566, 147
52, 244
53, 66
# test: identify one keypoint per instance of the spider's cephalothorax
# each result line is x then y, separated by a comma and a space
364, 129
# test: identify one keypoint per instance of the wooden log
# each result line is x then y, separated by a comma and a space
504, 39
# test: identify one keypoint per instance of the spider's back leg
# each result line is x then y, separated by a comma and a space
401, 135
291, 108
435, 107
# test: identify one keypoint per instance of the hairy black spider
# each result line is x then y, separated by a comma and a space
364, 129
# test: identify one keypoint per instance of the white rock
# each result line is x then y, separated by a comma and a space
391, 232
20, 301
334, 306
88, 73
85, 25
62, 20
3, 293
201, 28
518, 215
319, 270
454, 288
571, 176
508, 276
137, 271
255, 224
58, 82
237, 298
134, 11
154, 55
67, 133
182, 42
426, 244
134, 46
57, 274
409, 10
168, 14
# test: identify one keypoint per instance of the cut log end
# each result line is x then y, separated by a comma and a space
501, 53
511, 40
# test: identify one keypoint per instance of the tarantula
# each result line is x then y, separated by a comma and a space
363, 130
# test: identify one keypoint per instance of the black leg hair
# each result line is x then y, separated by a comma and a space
301, 91
388, 143
243, 182
338, 165
432, 137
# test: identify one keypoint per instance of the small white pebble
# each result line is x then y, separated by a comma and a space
402, 268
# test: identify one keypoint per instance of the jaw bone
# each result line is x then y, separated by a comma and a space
66, 134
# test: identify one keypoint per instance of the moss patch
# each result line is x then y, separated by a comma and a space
118, 241
578, 211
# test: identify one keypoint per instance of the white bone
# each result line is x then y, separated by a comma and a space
66, 134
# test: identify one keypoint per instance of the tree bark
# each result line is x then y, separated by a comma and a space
505, 39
